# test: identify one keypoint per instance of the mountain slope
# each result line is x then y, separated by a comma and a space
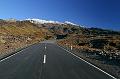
16, 34
32, 30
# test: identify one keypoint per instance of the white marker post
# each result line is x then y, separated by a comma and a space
71, 47
45, 47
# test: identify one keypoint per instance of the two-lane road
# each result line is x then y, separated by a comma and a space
47, 61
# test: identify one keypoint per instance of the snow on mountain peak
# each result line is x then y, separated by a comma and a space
41, 21
67, 22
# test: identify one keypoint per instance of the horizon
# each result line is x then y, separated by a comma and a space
94, 13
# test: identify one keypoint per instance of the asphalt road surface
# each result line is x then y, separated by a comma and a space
47, 61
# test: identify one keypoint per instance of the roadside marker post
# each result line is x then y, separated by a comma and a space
88, 62
71, 47
45, 47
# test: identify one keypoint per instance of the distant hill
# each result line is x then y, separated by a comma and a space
15, 33
68, 28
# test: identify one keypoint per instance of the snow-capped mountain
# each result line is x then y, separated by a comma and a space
67, 22
41, 21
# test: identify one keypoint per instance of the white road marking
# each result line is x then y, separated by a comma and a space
45, 47
88, 62
11, 55
44, 61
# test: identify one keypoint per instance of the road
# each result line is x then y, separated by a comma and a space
47, 61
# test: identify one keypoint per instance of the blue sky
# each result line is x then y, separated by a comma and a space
92, 13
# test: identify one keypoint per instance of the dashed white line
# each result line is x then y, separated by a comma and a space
44, 61
88, 63
45, 47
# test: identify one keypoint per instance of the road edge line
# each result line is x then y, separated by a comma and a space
11, 55
14, 52
88, 62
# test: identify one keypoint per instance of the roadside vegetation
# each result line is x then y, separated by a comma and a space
17, 34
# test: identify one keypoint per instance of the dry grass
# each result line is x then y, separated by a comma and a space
19, 34
84, 42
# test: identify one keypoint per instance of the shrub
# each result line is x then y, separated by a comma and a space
98, 43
